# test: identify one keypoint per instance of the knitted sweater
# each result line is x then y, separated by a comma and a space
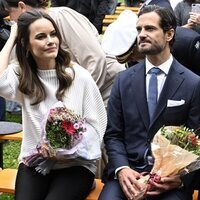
82, 97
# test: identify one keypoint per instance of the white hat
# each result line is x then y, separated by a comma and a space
121, 34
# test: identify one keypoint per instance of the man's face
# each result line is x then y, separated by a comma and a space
151, 39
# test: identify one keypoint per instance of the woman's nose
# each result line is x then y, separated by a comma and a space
49, 40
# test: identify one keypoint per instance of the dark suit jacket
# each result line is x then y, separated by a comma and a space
161, 3
186, 48
129, 132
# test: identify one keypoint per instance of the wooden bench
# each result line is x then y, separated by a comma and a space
8, 177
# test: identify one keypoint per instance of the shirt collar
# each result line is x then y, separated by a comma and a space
164, 66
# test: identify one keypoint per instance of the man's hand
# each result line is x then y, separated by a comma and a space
129, 183
165, 184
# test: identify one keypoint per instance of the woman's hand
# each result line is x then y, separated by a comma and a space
165, 184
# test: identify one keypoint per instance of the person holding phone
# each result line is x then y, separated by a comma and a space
195, 14
184, 15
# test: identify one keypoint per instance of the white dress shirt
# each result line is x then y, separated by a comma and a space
161, 77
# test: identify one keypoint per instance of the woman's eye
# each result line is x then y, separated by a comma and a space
40, 37
54, 34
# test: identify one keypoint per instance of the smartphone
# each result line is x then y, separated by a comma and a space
196, 7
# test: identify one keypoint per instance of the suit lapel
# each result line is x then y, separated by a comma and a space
172, 83
138, 82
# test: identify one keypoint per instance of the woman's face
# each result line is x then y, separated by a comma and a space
43, 42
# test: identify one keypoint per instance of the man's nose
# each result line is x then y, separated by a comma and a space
142, 33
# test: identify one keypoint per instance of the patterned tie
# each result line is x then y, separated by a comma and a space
153, 91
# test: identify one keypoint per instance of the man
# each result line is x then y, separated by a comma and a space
131, 121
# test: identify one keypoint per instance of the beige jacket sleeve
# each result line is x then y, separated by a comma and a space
80, 38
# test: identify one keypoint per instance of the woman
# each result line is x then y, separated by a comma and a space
45, 75
182, 11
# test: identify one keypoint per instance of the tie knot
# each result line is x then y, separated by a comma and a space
155, 70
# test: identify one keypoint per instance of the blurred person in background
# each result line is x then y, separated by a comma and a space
174, 3
94, 10
183, 13
4, 35
135, 3
161, 3
123, 30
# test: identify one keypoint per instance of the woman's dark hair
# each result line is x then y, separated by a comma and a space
32, 3
167, 18
30, 83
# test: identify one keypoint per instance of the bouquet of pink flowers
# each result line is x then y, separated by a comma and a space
176, 151
62, 131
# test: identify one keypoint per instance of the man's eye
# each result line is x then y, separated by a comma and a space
138, 30
150, 28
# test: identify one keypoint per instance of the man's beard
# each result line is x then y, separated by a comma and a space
153, 50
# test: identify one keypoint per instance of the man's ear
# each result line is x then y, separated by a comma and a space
22, 6
170, 34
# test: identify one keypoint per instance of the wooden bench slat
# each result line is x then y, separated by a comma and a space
111, 16
121, 8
